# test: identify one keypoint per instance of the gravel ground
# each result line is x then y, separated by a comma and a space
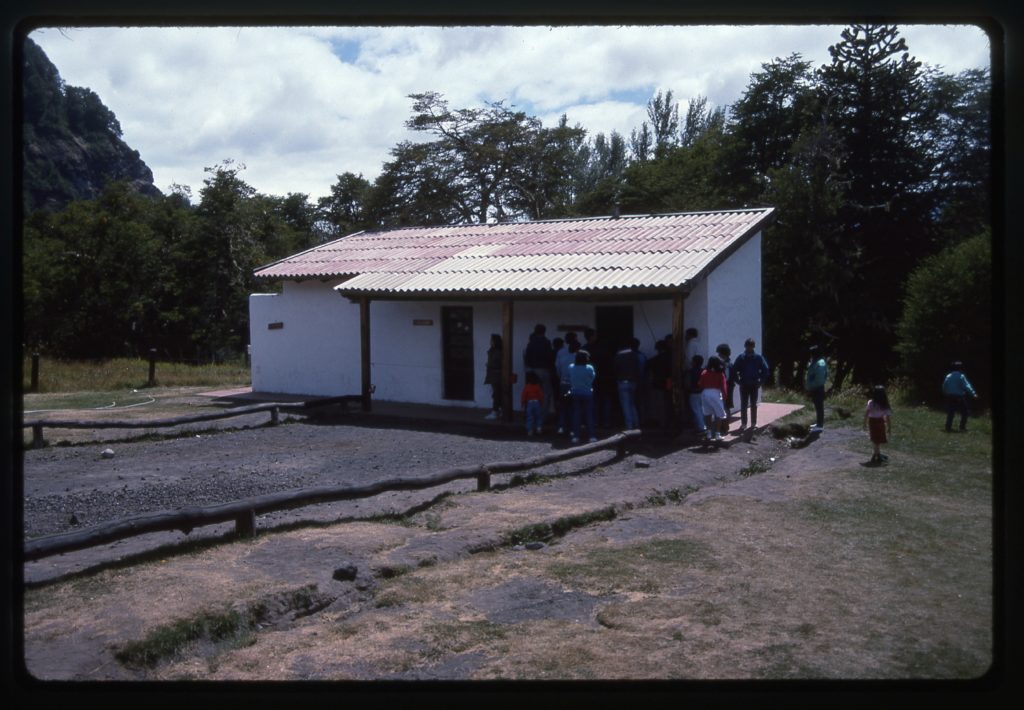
67, 487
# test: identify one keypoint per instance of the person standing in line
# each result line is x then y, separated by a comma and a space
532, 399
659, 371
878, 422
691, 344
601, 356
724, 353
557, 346
691, 348
563, 359
956, 387
713, 392
581, 378
643, 389
814, 383
539, 357
691, 385
751, 371
628, 371
493, 376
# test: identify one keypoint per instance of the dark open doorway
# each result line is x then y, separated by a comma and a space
457, 345
614, 325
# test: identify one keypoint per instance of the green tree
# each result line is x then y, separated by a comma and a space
874, 97
478, 151
663, 114
776, 107
599, 185
960, 140
345, 210
700, 121
546, 183
221, 256
947, 315
88, 276
689, 177
804, 281
417, 187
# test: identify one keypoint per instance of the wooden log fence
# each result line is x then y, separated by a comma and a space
243, 512
37, 425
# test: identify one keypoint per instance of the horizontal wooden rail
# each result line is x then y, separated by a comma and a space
243, 512
38, 424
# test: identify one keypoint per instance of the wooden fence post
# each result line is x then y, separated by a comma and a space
37, 436
34, 387
483, 481
274, 416
245, 524
152, 368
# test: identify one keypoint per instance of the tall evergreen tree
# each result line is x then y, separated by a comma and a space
874, 97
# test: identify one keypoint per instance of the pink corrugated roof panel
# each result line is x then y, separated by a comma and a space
558, 255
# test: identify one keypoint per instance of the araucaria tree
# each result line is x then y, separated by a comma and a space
874, 98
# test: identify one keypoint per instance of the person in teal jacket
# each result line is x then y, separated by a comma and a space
817, 373
956, 388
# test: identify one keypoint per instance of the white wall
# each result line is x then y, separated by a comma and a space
734, 292
316, 352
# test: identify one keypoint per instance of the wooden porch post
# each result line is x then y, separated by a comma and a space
678, 356
364, 347
506, 360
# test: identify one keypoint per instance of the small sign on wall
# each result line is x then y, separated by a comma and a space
275, 326
423, 321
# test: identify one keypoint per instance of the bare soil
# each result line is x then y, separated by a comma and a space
753, 560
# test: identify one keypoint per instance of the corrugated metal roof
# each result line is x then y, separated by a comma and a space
596, 254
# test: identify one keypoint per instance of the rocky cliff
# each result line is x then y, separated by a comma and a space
71, 142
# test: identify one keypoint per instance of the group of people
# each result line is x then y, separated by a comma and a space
572, 381
710, 387
579, 383
956, 390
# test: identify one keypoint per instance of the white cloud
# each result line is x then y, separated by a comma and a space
284, 101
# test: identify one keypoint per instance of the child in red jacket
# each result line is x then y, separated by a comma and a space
532, 400
713, 392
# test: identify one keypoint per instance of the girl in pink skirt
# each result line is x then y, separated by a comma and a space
878, 422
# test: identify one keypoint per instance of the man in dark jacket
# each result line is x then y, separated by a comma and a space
539, 357
751, 371
628, 373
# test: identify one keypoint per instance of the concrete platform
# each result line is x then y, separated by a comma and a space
434, 416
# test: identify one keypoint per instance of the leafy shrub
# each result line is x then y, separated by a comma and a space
947, 315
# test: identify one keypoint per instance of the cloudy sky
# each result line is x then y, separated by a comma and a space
299, 105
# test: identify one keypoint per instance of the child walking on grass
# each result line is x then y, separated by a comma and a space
532, 400
878, 422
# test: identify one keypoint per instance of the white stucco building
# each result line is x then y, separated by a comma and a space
407, 314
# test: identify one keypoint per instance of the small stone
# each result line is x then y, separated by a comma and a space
107, 453
642, 463
535, 545
74, 519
